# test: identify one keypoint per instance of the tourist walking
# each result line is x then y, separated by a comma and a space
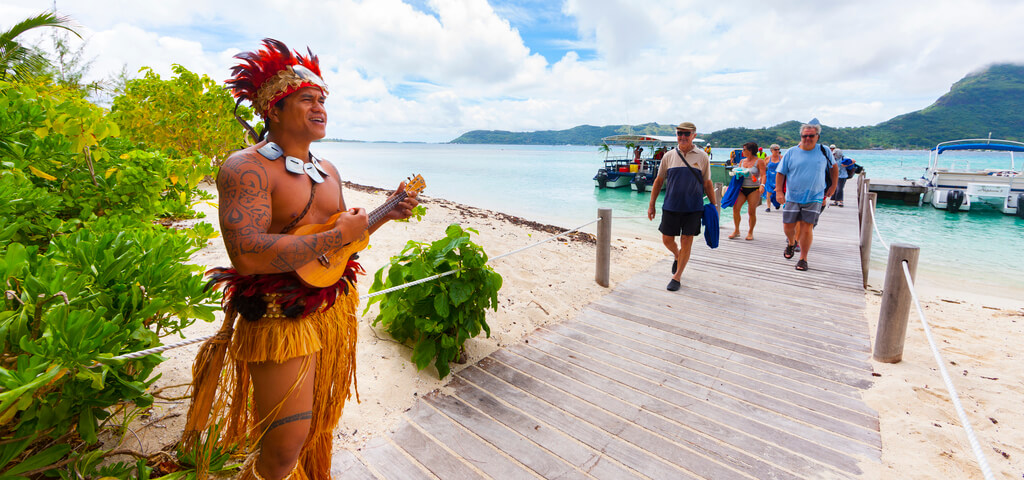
685, 172
802, 171
771, 164
751, 168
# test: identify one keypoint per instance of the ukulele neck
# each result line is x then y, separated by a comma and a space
378, 213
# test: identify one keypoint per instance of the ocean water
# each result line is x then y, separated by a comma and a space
979, 251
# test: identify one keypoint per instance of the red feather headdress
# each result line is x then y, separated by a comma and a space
272, 73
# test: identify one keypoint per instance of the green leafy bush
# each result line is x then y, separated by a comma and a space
437, 317
86, 275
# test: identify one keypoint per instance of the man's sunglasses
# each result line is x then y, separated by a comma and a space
809, 136
680, 133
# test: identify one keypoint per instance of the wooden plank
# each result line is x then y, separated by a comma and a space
622, 451
432, 455
780, 358
595, 390
388, 460
725, 328
708, 396
728, 433
710, 364
622, 426
588, 460
469, 447
345, 464
507, 440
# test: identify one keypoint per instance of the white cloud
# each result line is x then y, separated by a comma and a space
398, 73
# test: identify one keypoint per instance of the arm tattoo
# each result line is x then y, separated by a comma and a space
307, 415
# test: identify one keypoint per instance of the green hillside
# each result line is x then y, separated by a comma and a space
988, 101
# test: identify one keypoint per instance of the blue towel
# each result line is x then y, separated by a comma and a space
710, 221
732, 192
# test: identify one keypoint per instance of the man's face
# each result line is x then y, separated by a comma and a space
684, 139
808, 138
302, 114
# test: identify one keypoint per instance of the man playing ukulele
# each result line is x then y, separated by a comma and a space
293, 344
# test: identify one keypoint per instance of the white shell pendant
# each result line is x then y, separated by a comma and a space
293, 165
313, 173
316, 163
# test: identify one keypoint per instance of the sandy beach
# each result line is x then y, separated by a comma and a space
921, 434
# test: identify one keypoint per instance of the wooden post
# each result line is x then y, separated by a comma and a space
862, 198
866, 229
604, 245
896, 300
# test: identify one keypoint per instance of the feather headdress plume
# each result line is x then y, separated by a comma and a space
272, 73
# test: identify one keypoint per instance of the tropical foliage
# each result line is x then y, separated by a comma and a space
20, 62
437, 317
88, 274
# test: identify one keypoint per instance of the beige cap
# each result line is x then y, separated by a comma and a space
688, 126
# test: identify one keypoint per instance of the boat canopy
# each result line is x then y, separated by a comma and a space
643, 140
981, 146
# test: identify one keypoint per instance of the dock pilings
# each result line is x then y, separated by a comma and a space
604, 246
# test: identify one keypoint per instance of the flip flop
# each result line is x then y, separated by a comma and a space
801, 265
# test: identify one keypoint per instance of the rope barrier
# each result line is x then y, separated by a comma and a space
982, 461
874, 223
143, 353
975, 446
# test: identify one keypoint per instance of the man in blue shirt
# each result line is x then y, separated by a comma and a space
800, 188
686, 173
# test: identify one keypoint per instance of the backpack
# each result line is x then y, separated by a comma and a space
828, 178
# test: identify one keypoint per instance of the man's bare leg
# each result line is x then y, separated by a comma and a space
685, 244
289, 427
806, 235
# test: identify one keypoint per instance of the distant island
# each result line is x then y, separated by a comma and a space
990, 101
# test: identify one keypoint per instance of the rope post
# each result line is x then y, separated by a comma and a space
896, 300
867, 224
604, 245
862, 196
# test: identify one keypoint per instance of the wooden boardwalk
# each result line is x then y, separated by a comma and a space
751, 370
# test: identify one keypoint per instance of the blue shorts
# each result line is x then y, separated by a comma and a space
793, 212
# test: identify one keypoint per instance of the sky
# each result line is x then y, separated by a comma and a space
430, 70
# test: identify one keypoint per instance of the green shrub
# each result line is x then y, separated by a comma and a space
437, 317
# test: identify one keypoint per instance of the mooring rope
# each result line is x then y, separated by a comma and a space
982, 461
143, 353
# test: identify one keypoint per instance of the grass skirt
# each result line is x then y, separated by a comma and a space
221, 387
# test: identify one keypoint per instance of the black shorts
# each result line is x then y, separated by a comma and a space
748, 190
674, 224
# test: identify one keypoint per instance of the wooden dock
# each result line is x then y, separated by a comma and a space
751, 370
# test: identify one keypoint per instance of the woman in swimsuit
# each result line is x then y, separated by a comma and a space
753, 186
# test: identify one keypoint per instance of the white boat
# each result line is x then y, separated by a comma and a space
955, 185
639, 173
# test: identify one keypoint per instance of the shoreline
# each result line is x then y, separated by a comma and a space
552, 282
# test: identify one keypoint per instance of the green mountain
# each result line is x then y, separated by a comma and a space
990, 101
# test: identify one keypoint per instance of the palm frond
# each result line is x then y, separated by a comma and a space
47, 19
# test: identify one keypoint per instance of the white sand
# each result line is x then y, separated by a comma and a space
921, 434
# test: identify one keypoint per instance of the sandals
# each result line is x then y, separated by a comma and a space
801, 265
790, 249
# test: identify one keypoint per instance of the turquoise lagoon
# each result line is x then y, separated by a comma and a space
981, 251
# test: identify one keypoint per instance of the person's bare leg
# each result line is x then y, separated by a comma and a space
791, 232
685, 242
806, 235
287, 430
670, 244
752, 203
740, 198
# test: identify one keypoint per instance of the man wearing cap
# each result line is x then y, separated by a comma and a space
802, 173
685, 172
287, 349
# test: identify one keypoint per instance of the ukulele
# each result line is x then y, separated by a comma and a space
328, 268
